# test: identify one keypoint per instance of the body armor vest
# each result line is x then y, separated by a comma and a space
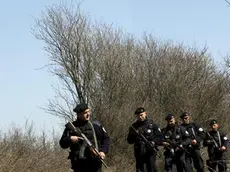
80, 150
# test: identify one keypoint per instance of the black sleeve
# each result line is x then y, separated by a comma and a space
104, 141
158, 136
132, 137
163, 131
103, 138
65, 140
200, 133
224, 140
185, 137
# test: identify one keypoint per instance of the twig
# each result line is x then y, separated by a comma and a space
227, 2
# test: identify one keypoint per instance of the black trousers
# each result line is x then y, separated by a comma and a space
146, 162
87, 166
176, 162
194, 157
217, 161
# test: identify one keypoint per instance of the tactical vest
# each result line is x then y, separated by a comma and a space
174, 135
79, 150
146, 129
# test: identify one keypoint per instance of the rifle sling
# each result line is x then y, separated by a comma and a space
94, 135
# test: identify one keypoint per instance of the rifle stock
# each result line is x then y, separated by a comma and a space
77, 130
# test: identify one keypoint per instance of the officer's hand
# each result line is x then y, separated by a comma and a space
102, 155
194, 142
223, 148
75, 138
166, 144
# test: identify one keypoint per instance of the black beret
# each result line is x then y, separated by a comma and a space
80, 108
184, 114
213, 121
169, 116
139, 110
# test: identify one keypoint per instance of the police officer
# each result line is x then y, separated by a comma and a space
145, 155
82, 159
175, 141
217, 143
196, 134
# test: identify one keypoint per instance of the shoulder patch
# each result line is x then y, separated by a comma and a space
159, 129
186, 132
104, 129
201, 129
225, 138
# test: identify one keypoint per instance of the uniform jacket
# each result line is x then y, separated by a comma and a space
85, 127
149, 130
220, 138
176, 135
195, 132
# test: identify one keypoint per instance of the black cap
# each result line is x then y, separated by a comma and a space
213, 121
169, 116
184, 114
80, 108
139, 110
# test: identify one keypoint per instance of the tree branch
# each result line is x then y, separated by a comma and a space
227, 2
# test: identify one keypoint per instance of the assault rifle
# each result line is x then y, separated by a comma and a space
213, 140
94, 151
146, 141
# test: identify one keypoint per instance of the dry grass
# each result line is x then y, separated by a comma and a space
22, 151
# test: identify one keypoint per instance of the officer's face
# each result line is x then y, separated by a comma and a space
186, 119
214, 127
171, 122
84, 116
141, 116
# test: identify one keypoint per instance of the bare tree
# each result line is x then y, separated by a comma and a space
65, 32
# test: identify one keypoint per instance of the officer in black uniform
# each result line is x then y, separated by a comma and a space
176, 140
82, 159
144, 154
217, 143
193, 151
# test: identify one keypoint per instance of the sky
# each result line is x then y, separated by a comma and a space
24, 87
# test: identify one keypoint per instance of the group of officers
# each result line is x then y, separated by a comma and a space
182, 144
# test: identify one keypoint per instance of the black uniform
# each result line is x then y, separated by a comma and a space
81, 158
193, 151
216, 156
178, 139
145, 156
